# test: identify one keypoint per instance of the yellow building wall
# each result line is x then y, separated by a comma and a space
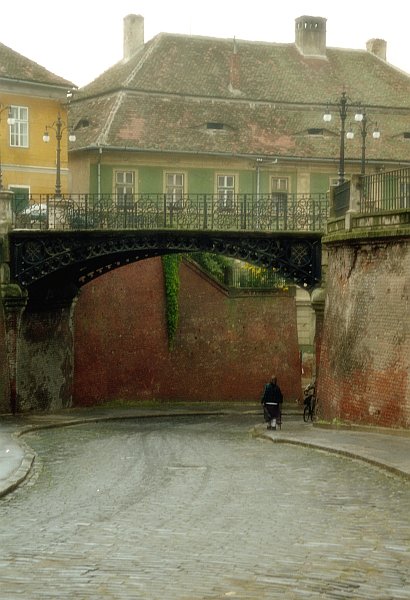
34, 167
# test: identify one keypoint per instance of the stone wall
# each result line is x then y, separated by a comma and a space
4, 372
226, 346
365, 352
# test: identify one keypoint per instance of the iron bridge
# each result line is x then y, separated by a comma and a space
53, 265
60, 244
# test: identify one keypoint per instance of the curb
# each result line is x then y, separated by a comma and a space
331, 450
19, 475
22, 472
363, 428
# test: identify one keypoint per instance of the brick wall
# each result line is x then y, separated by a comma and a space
365, 351
226, 347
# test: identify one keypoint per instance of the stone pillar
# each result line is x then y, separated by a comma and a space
354, 204
318, 305
14, 300
46, 357
6, 214
318, 298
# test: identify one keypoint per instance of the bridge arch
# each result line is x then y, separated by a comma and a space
53, 265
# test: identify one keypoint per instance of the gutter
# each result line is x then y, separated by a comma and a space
252, 157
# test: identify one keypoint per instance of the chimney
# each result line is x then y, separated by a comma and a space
310, 36
377, 47
133, 35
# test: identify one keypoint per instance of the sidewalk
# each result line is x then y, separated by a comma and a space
388, 449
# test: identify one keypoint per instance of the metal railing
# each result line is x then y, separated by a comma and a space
255, 278
385, 191
249, 212
341, 199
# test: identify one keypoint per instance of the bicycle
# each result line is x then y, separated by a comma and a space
310, 402
309, 410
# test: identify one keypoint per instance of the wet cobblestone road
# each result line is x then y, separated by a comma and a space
195, 508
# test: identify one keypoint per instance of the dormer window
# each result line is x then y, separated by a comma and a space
215, 125
315, 131
83, 122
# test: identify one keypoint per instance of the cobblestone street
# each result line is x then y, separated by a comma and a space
196, 508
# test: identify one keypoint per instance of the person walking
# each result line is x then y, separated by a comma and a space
272, 399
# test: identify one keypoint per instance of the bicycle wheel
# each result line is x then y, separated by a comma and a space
306, 414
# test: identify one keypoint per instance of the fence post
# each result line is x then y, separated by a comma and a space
354, 201
165, 210
244, 209
205, 213
331, 193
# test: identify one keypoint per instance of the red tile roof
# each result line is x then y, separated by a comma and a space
267, 96
14, 66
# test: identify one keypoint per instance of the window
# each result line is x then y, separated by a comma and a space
124, 187
213, 125
226, 191
19, 130
174, 189
280, 188
20, 200
315, 131
280, 184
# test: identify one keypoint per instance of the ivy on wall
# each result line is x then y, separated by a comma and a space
170, 265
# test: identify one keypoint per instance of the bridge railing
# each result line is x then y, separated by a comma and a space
385, 191
265, 212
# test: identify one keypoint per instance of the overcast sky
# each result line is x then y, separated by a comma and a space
80, 39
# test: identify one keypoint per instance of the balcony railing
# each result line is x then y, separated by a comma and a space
385, 191
249, 212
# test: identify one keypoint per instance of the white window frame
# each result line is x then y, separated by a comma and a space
19, 131
125, 187
174, 188
225, 190
279, 184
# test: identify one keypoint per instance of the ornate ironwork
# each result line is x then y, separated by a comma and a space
239, 212
44, 261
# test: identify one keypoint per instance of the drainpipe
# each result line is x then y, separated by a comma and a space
99, 172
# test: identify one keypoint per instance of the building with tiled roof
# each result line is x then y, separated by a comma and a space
31, 98
252, 112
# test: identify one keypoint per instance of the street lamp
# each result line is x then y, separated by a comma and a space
343, 103
361, 118
10, 121
59, 127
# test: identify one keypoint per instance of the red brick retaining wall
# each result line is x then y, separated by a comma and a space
365, 351
225, 347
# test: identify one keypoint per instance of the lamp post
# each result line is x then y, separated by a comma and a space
10, 121
59, 127
361, 118
343, 104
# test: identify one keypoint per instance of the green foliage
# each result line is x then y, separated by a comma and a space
214, 264
170, 265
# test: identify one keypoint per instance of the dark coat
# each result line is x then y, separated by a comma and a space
272, 399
